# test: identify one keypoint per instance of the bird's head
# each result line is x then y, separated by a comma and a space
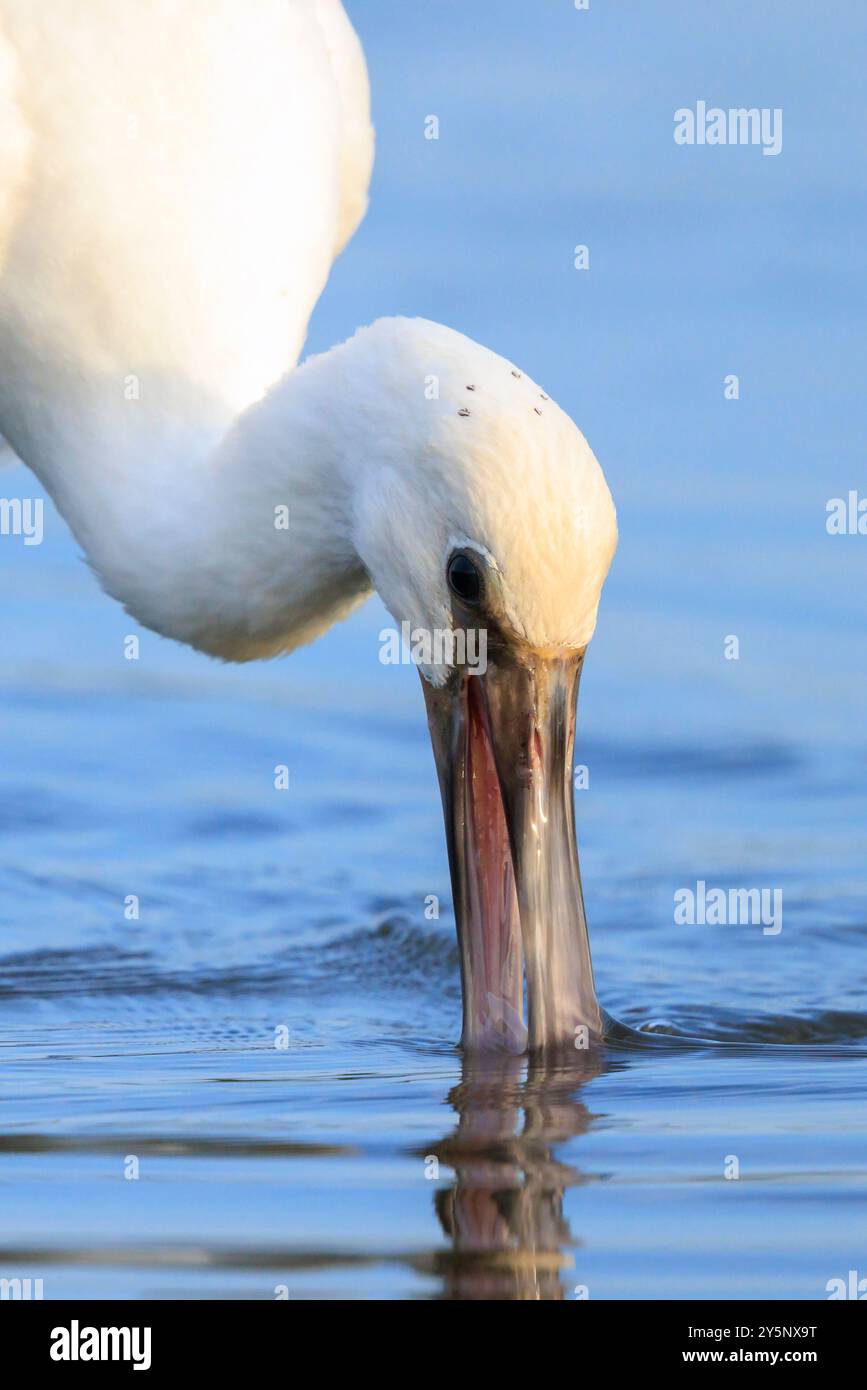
486, 526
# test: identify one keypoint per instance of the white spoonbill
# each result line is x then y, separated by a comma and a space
176, 178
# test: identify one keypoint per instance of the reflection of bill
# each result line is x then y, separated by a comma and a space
504, 1212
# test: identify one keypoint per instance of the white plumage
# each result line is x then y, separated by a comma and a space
178, 176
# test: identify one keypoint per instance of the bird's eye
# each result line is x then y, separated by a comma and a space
464, 579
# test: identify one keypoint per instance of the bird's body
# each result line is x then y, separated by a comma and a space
177, 178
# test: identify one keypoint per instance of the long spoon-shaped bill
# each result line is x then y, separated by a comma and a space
503, 745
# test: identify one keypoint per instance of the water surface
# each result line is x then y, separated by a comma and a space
272, 1038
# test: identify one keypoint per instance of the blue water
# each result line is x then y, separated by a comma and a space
360, 1158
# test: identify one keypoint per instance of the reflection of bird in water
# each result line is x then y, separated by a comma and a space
504, 1214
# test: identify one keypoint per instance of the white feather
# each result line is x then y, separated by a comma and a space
178, 176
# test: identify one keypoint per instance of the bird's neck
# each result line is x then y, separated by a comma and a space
235, 541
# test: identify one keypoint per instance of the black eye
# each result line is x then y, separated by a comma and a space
464, 579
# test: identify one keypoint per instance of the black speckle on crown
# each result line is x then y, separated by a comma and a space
471, 388
463, 410
517, 374
537, 410
542, 394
